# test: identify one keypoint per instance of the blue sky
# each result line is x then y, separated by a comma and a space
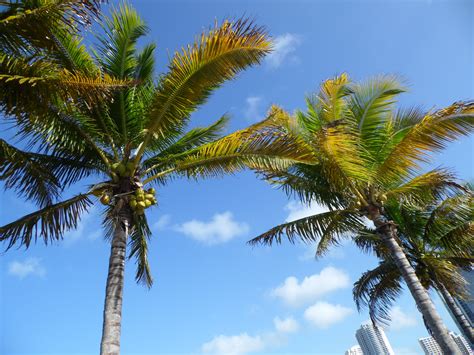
212, 292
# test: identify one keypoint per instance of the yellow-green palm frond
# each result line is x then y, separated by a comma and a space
48, 223
426, 187
48, 84
32, 24
332, 225
429, 135
330, 102
215, 57
264, 146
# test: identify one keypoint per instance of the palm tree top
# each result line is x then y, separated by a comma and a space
136, 135
365, 152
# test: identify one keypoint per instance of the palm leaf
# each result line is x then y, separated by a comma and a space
430, 135
331, 225
199, 69
48, 223
138, 242
377, 289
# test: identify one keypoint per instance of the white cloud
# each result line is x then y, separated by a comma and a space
296, 293
162, 222
252, 111
400, 320
222, 228
296, 210
284, 47
323, 314
234, 344
31, 266
287, 325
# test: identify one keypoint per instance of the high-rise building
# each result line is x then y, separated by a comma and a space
373, 340
355, 350
431, 347
466, 306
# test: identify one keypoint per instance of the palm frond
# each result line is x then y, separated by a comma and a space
377, 289
138, 241
332, 225
32, 24
28, 174
431, 134
48, 223
215, 57
263, 147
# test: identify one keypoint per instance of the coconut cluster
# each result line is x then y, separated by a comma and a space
141, 199
124, 169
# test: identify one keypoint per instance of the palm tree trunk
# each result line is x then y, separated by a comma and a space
457, 313
387, 231
110, 344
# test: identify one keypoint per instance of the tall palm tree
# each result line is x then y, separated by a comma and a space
134, 140
438, 241
365, 153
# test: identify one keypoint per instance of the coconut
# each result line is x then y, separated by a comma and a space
142, 204
133, 204
148, 203
105, 199
149, 196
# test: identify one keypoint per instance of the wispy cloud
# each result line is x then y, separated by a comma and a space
253, 108
297, 210
287, 325
400, 319
162, 222
284, 49
296, 293
220, 229
22, 269
323, 314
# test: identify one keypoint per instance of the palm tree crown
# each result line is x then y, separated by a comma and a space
438, 240
367, 154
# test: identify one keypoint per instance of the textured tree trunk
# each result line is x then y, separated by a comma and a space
461, 319
387, 231
110, 344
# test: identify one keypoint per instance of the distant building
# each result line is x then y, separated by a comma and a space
355, 350
467, 306
373, 340
431, 347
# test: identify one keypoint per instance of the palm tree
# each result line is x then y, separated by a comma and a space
136, 139
365, 154
438, 241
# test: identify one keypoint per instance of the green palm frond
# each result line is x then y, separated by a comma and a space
27, 24
371, 105
332, 225
191, 140
48, 223
215, 57
138, 242
263, 147
28, 174
377, 289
